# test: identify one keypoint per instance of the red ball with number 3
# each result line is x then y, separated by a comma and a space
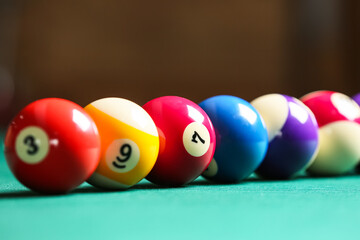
52, 146
187, 140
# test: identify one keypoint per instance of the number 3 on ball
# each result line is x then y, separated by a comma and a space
32, 145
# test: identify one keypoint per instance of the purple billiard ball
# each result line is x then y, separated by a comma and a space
356, 98
293, 136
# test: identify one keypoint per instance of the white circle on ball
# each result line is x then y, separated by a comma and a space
211, 170
122, 155
32, 145
346, 106
196, 139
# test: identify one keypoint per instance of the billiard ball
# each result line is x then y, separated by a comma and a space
241, 138
293, 136
129, 143
356, 98
339, 135
187, 140
52, 146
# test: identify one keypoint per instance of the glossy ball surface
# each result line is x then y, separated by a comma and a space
338, 117
129, 143
52, 146
293, 136
356, 98
241, 138
187, 140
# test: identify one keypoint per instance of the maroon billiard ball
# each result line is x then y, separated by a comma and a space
187, 140
52, 146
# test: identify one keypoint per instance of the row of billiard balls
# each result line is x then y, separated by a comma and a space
53, 145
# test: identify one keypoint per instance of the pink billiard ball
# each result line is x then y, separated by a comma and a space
187, 140
338, 117
52, 146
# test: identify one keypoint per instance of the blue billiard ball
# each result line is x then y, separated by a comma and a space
241, 138
293, 136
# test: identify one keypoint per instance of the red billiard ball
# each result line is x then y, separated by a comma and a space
338, 117
52, 146
187, 140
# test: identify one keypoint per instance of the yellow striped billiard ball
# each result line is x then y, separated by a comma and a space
129, 143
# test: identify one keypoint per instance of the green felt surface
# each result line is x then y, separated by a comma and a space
305, 208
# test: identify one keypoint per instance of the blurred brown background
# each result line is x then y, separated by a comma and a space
139, 50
